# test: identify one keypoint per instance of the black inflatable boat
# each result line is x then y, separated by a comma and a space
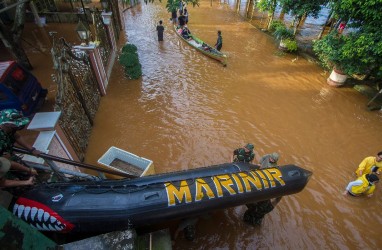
110, 205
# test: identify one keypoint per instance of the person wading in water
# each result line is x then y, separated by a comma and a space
160, 30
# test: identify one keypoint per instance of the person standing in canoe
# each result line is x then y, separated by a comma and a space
174, 17
181, 19
219, 42
160, 30
185, 13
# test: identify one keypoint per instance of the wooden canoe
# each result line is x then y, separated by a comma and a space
202, 47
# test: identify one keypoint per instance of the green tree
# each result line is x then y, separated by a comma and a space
270, 7
363, 14
173, 5
360, 50
301, 9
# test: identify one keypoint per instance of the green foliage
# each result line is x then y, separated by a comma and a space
130, 60
282, 32
275, 24
328, 50
362, 13
360, 50
301, 7
356, 53
129, 48
291, 45
173, 5
362, 53
267, 5
134, 72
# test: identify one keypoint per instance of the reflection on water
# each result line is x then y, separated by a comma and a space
189, 111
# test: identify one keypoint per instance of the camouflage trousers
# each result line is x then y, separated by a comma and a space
256, 212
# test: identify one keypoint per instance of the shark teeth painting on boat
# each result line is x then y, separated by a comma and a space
40, 216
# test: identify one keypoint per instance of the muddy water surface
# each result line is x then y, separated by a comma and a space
189, 111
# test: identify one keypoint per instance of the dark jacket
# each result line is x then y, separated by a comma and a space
182, 20
219, 43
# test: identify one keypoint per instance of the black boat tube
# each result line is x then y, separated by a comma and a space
119, 204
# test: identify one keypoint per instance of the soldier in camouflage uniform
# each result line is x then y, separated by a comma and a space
269, 160
256, 211
12, 120
244, 154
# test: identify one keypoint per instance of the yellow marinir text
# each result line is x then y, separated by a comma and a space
277, 176
214, 187
173, 192
238, 183
201, 185
248, 179
223, 181
263, 179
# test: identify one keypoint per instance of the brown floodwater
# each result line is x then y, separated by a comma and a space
188, 111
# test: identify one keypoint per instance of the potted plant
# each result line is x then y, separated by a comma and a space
276, 23
329, 52
288, 44
356, 53
286, 37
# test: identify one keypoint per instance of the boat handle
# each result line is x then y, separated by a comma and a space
294, 173
151, 195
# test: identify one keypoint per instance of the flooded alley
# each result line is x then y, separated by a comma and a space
188, 111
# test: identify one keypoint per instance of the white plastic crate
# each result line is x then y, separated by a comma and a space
115, 155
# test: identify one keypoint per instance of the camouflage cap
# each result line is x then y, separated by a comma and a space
13, 116
249, 146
